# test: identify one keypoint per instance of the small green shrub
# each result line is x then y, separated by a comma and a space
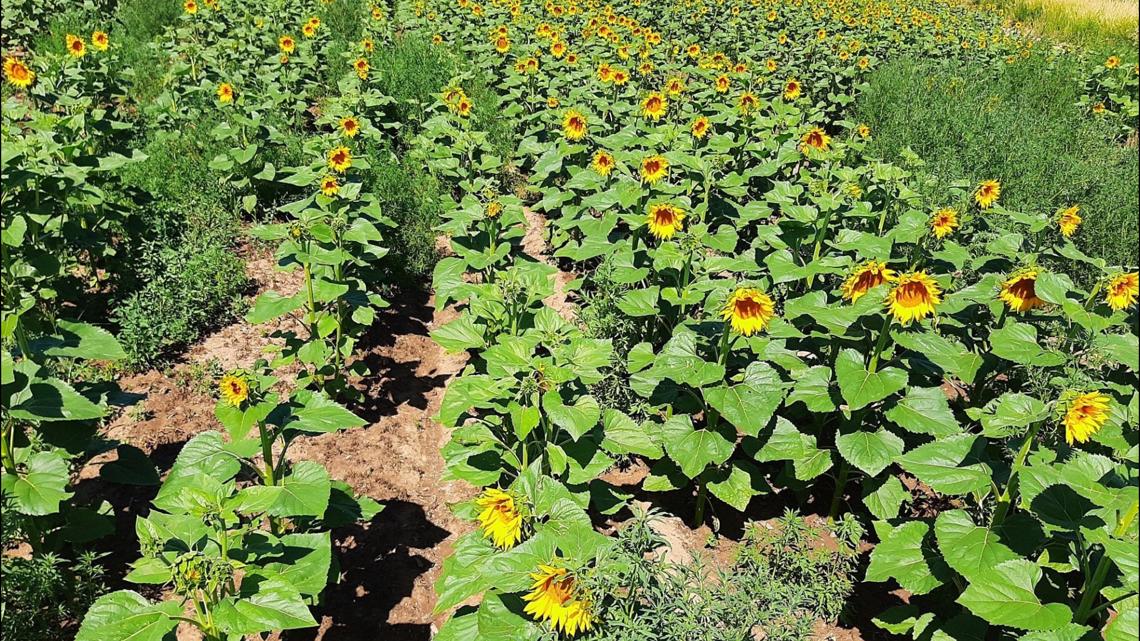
412, 199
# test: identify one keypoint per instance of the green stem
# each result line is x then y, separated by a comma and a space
7, 448
840, 484
880, 344
1006, 499
819, 237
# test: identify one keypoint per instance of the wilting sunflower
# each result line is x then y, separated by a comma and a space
340, 159
1122, 290
500, 519
1019, 291
866, 277
1085, 414
987, 193
815, 140
76, 48
287, 44
1068, 220
233, 389
225, 92
361, 66
654, 168
943, 222
664, 220
329, 186
555, 597
17, 73
700, 127
350, 126
913, 297
748, 310
654, 106
100, 40
574, 125
603, 162
792, 89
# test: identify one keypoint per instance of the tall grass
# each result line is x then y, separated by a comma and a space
1095, 24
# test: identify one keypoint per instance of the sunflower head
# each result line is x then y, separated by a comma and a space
502, 44
361, 66
233, 389
866, 277
603, 162
700, 127
747, 103
674, 86
100, 40
1019, 291
308, 30
557, 597
76, 48
943, 222
225, 92
330, 186
1112, 62
500, 518
987, 193
815, 139
748, 311
863, 131
792, 89
574, 125
350, 126
339, 159
1084, 415
1068, 220
18, 73
913, 298
190, 7
286, 44
654, 168
664, 220
721, 83
1122, 290
493, 208
653, 106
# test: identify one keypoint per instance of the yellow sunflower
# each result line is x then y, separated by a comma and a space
76, 48
555, 597
664, 220
815, 140
233, 389
502, 44
863, 131
17, 73
603, 162
866, 277
500, 519
225, 92
1123, 290
654, 168
1085, 414
748, 310
329, 186
913, 297
339, 159
493, 209
190, 7
1019, 291
721, 84
747, 103
287, 44
700, 127
1068, 220
653, 106
361, 67
1112, 62
574, 125
943, 222
792, 89
350, 126
100, 40
987, 193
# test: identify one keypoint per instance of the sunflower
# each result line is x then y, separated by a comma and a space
1019, 291
771, 65
552, 102
605, 73
1112, 62
943, 222
360, 65
674, 86
1085, 414
620, 77
574, 125
493, 209
350, 126
694, 50
748, 310
502, 44
654, 106
500, 519
815, 139
225, 92
792, 89
287, 44
603, 162
367, 45
1069, 220
100, 40
913, 297
329, 186
190, 7
654, 168
339, 159
555, 596
17, 73
987, 193
1123, 290
233, 389
664, 220
558, 49
700, 127
747, 103
76, 48
721, 83
866, 277
308, 30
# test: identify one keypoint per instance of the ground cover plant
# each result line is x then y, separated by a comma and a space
776, 254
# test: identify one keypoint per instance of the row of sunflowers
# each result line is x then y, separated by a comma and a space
792, 315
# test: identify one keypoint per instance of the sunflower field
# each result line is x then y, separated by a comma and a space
723, 368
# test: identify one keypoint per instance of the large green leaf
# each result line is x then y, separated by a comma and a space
576, 419
127, 616
315, 412
908, 556
1004, 594
946, 353
694, 450
861, 387
624, 436
969, 548
871, 452
738, 484
1017, 342
40, 488
80, 340
265, 605
788, 444
749, 404
925, 410
950, 465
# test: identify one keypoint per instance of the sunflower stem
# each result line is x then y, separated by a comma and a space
880, 344
840, 484
1005, 501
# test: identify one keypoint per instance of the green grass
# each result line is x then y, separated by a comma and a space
1102, 25
1017, 124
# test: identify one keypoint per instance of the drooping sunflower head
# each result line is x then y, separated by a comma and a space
557, 597
653, 106
748, 310
225, 92
287, 44
100, 40
792, 89
1085, 414
76, 48
1122, 290
339, 159
1019, 291
350, 126
914, 297
654, 168
603, 162
866, 277
987, 193
700, 127
233, 389
815, 139
664, 220
18, 73
1068, 220
943, 222
330, 186
500, 518
574, 125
